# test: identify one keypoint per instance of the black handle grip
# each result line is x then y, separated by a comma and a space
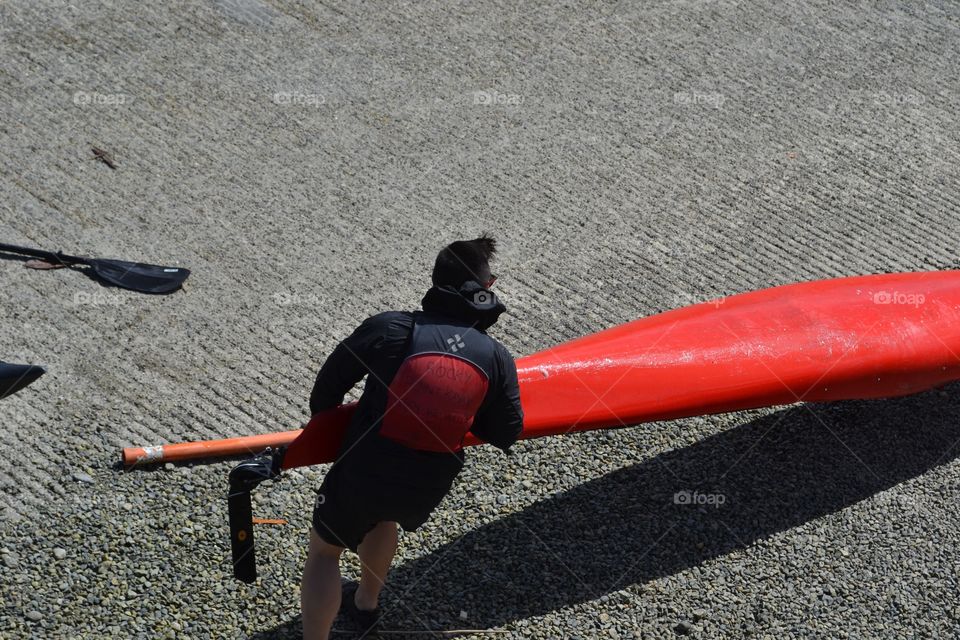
241, 534
49, 256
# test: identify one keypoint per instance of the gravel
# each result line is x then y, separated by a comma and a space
307, 159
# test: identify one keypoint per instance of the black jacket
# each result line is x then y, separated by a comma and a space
431, 376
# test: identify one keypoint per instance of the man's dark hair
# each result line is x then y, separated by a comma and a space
464, 260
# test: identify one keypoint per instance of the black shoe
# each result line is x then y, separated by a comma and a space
366, 621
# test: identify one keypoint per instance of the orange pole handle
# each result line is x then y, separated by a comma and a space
207, 449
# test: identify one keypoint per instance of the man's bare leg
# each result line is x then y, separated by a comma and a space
376, 553
320, 588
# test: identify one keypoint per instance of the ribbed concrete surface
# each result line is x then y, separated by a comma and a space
631, 158
307, 159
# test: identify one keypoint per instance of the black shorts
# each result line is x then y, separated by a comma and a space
362, 491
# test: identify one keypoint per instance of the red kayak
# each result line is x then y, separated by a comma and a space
851, 338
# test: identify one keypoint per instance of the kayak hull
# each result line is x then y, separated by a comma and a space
852, 338
861, 337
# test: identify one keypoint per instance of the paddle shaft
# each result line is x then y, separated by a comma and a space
49, 256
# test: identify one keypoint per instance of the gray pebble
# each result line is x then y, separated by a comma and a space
86, 478
684, 628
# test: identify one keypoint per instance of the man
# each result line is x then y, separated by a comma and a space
432, 376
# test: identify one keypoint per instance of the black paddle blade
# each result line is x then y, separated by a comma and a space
241, 535
14, 377
136, 276
244, 478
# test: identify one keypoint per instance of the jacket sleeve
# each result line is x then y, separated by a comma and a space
500, 421
378, 337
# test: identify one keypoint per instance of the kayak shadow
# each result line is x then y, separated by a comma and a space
674, 511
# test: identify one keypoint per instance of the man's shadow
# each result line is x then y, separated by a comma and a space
674, 511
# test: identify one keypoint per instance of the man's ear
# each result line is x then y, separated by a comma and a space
484, 275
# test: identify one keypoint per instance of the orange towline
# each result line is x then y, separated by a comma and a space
852, 338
